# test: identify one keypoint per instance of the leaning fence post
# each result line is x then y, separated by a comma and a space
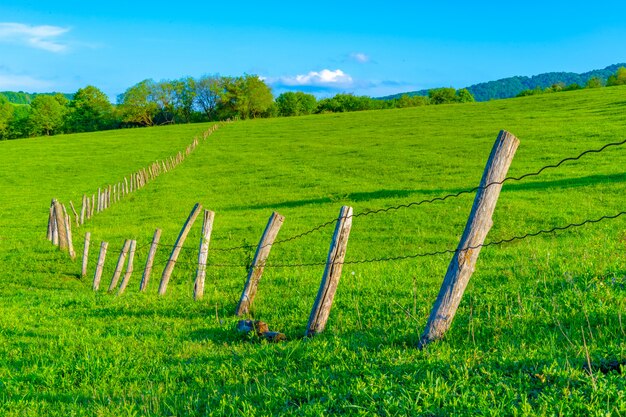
203, 253
100, 265
129, 267
59, 218
258, 263
148, 269
51, 222
478, 224
167, 272
332, 273
120, 264
76, 218
70, 244
86, 254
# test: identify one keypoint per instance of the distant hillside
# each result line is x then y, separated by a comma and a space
21, 97
512, 86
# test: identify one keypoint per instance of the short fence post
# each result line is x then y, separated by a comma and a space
85, 254
75, 214
120, 264
51, 222
100, 265
167, 272
129, 267
148, 270
332, 273
203, 254
83, 210
258, 263
478, 225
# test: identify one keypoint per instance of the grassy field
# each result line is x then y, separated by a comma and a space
532, 312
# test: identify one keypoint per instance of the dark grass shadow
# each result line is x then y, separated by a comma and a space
358, 197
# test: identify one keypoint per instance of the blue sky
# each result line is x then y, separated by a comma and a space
360, 47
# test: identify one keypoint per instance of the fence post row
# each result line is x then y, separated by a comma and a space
258, 264
478, 225
167, 272
203, 254
332, 273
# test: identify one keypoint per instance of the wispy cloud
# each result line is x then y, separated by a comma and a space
359, 57
41, 37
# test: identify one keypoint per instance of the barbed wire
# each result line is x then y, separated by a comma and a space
427, 201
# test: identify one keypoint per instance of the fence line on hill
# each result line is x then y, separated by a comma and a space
489, 187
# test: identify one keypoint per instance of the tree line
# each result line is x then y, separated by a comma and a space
185, 100
619, 78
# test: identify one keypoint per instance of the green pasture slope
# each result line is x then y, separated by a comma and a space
533, 310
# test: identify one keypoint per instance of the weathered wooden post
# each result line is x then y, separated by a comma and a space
478, 225
169, 267
148, 269
203, 254
120, 265
51, 222
129, 267
100, 265
258, 263
85, 254
83, 210
332, 273
59, 218
75, 214
68, 231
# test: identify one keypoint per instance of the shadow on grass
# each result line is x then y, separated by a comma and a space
427, 194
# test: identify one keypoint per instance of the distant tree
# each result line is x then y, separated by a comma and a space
244, 97
6, 116
136, 105
90, 110
47, 114
184, 98
295, 103
19, 126
593, 82
209, 91
619, 78
164, 95
442, 95
407, 101
572, 87
464, 96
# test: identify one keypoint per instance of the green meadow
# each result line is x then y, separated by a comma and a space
541, 329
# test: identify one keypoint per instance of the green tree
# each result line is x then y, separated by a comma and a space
209, 91
619, 78
295, 103
464, 96
164, 95
6, 116
594, 82
136, 105
442, 95
90, 110
184, 98
259, 95
244, 97
47, 114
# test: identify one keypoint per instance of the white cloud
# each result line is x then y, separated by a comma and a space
360, 57
40, 37
21, 83
324, 77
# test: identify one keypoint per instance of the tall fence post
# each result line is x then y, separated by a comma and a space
85, 254
167, 272
203, 254
148, 269
258, 263
100, 265
478, 225
120, 265
129, 267
332, 273
68, 231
